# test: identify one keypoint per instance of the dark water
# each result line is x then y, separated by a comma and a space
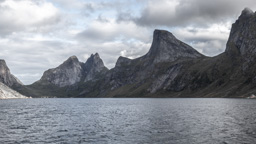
177, 121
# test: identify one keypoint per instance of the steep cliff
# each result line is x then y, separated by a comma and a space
167, 48
68, 73
93, 67
6, 77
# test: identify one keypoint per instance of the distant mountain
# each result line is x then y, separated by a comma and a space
171, 68
68, 73
64, 80
72, 71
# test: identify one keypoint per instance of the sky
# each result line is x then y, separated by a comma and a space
36, 35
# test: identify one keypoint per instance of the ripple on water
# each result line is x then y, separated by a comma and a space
128, 121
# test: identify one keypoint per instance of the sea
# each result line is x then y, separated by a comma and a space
128, 121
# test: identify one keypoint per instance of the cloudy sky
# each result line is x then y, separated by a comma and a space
36, 35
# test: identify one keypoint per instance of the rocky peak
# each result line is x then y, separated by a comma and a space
72, 71
166, 47
66, 74
95, 62
242, 38
5, 75
247, 12
3, 67
73, 60
93, 65
122, 60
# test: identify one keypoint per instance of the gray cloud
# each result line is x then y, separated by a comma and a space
187, 12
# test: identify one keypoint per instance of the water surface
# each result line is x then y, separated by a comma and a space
177, 121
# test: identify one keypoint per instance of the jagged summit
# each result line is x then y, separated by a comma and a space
94, 61
166, 47
72, 71
96, 54
242, 36
71, 60
163, 35
3, 63
247, 12
93, 65
122, 60
68, 73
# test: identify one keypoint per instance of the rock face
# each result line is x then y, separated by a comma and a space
171, 68
6, 77
242, 38
123, 61
8, 93
167, 48
68, 73
93, 66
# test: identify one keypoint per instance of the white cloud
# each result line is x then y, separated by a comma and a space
209, 41
26, 15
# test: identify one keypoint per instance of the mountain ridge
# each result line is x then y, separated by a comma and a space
166, 47
171, 68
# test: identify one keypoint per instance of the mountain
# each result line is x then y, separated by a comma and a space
72, 71
167, 48
241, 41
68, 73
171, 68
64, 80
6, 77
8, 93
131, 77
93, 67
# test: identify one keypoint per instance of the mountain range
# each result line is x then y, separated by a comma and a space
171, 68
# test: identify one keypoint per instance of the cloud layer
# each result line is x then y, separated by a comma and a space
36, 35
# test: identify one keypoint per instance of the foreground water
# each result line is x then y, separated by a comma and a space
177, 121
